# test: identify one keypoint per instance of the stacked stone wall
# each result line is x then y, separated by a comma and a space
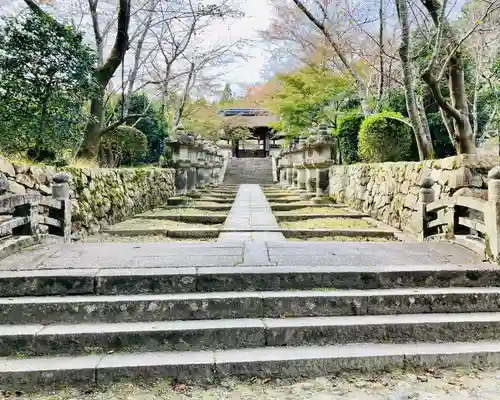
389, 191
100, 197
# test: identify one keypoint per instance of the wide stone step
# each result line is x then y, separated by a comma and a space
128, 281
209, 366
38, 340
221, 305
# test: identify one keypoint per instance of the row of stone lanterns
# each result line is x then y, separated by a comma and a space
197, 162
305, 164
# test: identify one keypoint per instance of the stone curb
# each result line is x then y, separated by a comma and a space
267, 362
228, 305
106, 281
58, 340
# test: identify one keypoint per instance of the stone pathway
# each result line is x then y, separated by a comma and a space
251, 211
250, 305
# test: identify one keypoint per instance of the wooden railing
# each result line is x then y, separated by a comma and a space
23, 214
464, 217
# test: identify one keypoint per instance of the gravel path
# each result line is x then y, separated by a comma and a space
430, 385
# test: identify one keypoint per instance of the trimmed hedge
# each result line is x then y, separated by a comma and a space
347, 132
383, 137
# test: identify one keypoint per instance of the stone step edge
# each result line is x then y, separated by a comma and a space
37, 340
64, 310
27, 331
103, 281
209, 232
210, 366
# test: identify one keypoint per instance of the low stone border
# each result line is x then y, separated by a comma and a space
291, 206
189, 218
221, 207
301, 233
214, 232
173, 233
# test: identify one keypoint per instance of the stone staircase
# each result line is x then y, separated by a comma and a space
201, 324
249, 170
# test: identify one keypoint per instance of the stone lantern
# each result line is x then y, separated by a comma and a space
320, 145
181, 146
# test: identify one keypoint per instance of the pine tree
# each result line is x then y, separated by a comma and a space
227, 94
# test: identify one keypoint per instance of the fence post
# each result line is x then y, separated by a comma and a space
492, 216
426, 196
4, 183
60, 191
33, 214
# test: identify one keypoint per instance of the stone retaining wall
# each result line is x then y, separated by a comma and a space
100, 197
389, 191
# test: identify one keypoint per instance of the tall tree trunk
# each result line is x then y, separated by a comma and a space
380, 92
424, 142
92, 138
104, 74
458, 110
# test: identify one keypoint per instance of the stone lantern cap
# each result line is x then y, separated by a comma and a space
181, 137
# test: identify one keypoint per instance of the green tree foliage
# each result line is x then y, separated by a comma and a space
124, 146
307, 95
383, 137
46, 75
153, 124
347, 131
149, 119
395, 101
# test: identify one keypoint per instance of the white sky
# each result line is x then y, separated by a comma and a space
257, 18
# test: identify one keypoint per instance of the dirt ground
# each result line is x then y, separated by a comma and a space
429, 385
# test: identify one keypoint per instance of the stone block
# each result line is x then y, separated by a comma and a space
464, 177
16, 188
7, 168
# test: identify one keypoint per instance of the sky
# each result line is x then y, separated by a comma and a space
257, 18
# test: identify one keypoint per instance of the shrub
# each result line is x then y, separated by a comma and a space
384, 137
347, 132
46, 74
125, 145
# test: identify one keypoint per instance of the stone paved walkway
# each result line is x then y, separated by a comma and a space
251, 211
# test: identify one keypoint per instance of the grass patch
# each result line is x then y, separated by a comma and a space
140, 223
106, 238
315, 210
328, 223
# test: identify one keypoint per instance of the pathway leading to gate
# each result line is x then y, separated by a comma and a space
256, 247
250, 304
251, 211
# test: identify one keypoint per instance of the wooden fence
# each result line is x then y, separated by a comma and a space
466, 217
